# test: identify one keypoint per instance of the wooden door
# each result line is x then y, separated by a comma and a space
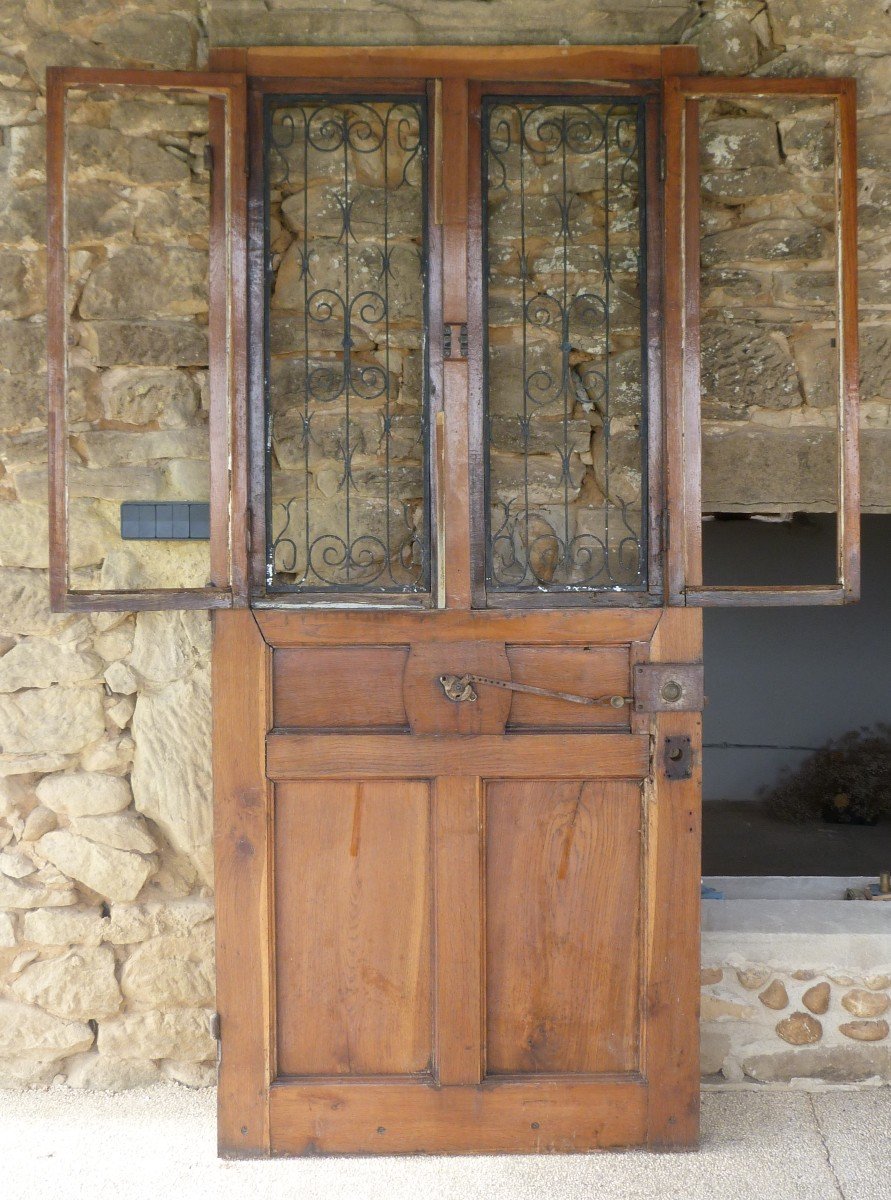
478, 931
456, 751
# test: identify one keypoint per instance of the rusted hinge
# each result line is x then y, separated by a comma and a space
452, 336
215, 1033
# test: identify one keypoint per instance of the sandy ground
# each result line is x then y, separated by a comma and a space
158, 1143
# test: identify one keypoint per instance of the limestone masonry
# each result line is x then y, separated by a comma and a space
106, 887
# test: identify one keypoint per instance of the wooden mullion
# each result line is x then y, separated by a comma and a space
455, 234
459, 979
218, 334
653, 450
57, 340
673, 325
849, 364
256, 261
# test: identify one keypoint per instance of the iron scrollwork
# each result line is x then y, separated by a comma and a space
347, 505
564, 259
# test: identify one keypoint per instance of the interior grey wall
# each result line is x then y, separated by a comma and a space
790, 677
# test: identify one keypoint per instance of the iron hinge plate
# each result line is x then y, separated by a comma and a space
668, 687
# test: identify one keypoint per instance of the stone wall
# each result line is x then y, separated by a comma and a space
105, 814
765, 1024
106, 909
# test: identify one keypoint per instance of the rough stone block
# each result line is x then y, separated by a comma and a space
100, 1073
156, 39
145, 343
64, 927
84, 793
37, 663
115, 874
141, 282
27, 1032
182, 1034
171, 769
80, 985
41, 720
170, 972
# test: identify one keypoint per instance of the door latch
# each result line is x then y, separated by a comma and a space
460, 689
677, 757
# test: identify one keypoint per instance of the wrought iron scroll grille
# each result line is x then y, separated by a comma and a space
565, 272
346, 344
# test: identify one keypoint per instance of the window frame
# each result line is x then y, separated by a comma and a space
227, 341
683, 454
452, 78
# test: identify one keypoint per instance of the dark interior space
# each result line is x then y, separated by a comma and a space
781, 682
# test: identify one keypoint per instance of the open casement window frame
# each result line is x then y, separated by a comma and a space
227, 336
683, 456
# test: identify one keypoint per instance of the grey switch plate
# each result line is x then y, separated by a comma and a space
179, 520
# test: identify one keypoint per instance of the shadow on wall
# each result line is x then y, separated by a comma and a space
782, 680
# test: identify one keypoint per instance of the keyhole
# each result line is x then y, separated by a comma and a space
676, 754
671, 691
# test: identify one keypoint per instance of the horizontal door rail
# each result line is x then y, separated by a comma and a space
401, 1118
406, 756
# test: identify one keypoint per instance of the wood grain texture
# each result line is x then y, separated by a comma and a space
244, 939
532, 1116
577, 627
430, 710
459, 979
671, 897
526, 63
514, 756
353, 927
339, 687
562, 925
584, 670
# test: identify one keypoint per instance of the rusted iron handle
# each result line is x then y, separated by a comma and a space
460, 689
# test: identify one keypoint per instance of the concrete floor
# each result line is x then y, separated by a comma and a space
146, 1145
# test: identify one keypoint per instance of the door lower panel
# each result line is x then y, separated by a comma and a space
537, 1116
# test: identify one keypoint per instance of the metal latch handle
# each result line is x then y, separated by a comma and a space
460, 689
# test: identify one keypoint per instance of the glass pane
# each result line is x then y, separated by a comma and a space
566, 370
770, 359
137, 216
346, 344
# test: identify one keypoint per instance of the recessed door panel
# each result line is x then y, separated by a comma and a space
353, 927
562, 926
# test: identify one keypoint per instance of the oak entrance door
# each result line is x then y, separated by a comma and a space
483, 881
452, 544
